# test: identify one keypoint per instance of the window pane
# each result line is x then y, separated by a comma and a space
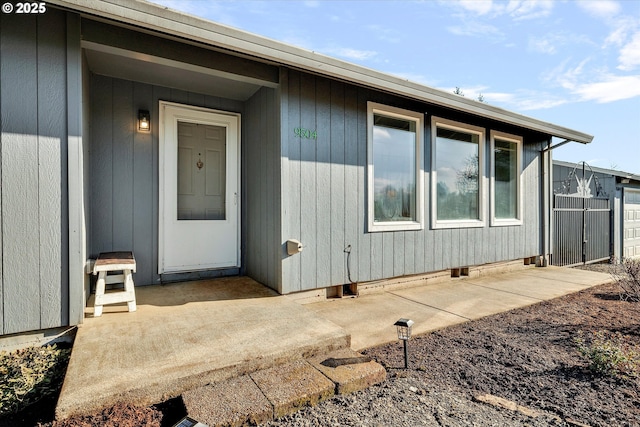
457, 167
506, 179
201, 189
394, 169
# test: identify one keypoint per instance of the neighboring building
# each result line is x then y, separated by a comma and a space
252, 143
620, 192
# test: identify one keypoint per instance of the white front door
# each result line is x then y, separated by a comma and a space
199, 189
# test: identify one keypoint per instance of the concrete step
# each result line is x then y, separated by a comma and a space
280, 390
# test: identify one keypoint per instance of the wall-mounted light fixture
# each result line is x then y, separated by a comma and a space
144, 121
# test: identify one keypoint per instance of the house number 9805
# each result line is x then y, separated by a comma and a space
306, 133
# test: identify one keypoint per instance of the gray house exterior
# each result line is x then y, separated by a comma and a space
304, 133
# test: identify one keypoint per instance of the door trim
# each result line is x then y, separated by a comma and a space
193, 114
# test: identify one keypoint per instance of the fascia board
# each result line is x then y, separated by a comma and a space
164, 20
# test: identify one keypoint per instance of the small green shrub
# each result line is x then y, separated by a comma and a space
609, 354
30, 374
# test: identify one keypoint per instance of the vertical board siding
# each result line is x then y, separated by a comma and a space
123, 178
159, 94
77, 121
142, 190
292, 226
52, 182
326, 186
21, 290
308, 184
274, 199
123, 125
532, 199
101, 166
33, 169
252, 148
265, 222
336, 148
363, 267
261, 154
323, 177
351, 226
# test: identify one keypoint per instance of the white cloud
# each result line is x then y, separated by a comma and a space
566, 78
474, 92
520, 100
474, 29
416, 78
609, 89
600, 8
550, 43
517, 9
546, 46
385, 34
599, 85
501, 97
623, 28
352, 54
480, 7
530, 9
542, 102
524, 100
630, 54
474, 15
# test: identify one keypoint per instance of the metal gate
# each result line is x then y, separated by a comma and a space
582, 219
582, 230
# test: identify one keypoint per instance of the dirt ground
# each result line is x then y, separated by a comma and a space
527, 356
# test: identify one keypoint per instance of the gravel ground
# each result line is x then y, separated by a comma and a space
406, 402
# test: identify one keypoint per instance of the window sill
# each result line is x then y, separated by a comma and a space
458, 224
395, 226
505, 222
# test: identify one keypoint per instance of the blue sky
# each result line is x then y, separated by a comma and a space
572, 63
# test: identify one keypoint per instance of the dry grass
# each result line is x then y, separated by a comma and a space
28, 375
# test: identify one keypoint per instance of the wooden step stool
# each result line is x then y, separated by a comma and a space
114, 261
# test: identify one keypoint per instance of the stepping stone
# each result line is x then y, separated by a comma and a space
349, 370
293, 386
234, 402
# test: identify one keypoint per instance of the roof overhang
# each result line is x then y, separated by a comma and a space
164, 20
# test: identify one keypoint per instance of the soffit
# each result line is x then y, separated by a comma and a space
148, 69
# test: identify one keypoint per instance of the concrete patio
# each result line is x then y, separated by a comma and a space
184, 336
188, 335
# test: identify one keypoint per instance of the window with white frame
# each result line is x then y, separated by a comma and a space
457, 170
395, 169
506, 169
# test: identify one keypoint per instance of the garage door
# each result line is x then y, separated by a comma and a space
631, 223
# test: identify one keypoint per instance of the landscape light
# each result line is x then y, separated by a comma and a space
189, 422
404, 333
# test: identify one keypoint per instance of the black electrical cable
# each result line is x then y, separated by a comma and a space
347, 251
